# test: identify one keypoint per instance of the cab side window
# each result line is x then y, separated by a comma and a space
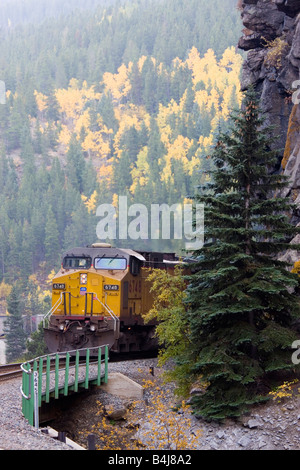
135, 266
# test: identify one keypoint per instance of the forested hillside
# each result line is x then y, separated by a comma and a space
123, 99
15, 12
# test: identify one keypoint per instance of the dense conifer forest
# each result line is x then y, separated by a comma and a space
103, 98
123, 98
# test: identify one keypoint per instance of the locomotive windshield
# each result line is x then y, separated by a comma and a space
76, 262
110, 263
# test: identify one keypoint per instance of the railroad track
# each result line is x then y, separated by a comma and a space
10, 371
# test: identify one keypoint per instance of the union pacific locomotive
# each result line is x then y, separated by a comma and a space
99, 296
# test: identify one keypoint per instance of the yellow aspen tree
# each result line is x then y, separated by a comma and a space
195, 65
128, 117
214, 100
91, 202
162, 120
97, 143
70, 102
227, 94
178, 150
141, 62
118, 84
106, 172
141, 170
82, 122
41, 101
64, 135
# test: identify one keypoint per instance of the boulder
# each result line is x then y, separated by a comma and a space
116, 414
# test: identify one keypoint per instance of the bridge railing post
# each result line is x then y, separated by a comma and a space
87, 368
106, 365
76, 371
35, 388
56, 392
67, 374
28, 392
41, 365
37, 383
99, 365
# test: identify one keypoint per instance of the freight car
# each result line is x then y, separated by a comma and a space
99, 296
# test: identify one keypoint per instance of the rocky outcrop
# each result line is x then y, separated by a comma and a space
271, 39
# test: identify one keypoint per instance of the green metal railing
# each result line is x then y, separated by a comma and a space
56, 374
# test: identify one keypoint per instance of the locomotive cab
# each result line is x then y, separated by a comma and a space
99, 297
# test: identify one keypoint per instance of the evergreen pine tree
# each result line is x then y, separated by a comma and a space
16, 121
136, 85
52, 244
75, 164
52, 112
27, 250
131, 147
36, 345
106, 110
242, 299
80, 232
3, 168
13, 327
156, 150
149, 76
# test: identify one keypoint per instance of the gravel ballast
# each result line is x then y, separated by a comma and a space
15, 432
273, 426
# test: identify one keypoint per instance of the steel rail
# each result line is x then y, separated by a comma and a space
10, 371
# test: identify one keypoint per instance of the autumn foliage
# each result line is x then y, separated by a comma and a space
213, 89
158, 423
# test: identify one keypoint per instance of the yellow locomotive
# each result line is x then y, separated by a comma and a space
99, 296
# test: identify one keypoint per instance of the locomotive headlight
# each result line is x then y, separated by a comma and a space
62, 326
93, 327
83, 278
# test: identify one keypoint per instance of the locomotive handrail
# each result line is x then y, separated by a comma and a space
110, 311
52, 309
104, 305
55, 306
60, 300
113, 315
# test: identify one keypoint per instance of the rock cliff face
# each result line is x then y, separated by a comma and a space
271, 38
